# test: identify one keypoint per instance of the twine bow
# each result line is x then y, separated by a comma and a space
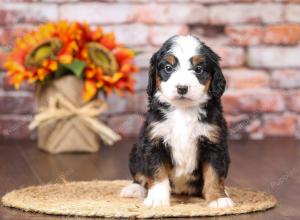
60, 108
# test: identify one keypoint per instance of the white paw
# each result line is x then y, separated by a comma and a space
158, 195
156, 202
221, 203
134, 191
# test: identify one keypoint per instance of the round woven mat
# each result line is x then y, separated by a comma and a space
101, 198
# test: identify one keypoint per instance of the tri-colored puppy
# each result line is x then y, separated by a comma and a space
182, 147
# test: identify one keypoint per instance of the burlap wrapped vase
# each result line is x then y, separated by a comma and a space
65, 123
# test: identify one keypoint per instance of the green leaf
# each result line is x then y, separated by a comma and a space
76, 67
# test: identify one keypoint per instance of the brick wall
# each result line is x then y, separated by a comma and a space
257, 40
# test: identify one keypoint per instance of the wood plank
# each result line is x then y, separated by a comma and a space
14, 173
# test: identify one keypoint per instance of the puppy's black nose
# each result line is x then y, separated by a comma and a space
182, 90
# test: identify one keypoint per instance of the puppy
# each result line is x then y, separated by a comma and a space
182, 148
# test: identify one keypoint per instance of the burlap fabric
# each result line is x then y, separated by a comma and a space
65, 123
101, 198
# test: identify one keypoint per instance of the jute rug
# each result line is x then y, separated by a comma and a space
101, 198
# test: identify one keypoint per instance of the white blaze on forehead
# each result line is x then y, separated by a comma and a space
184, 48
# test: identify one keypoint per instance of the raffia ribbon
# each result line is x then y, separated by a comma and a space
61, 108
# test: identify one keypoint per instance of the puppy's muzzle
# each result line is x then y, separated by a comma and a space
182, 90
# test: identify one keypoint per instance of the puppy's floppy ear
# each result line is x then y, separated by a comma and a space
218, 82
151, 89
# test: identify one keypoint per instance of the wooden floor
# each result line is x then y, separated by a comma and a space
270, 165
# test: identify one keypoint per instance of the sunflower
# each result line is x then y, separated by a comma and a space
62, 48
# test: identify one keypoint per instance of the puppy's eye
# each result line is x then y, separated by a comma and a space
168, 68
198, 69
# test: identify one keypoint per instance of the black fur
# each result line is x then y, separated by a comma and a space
148, 155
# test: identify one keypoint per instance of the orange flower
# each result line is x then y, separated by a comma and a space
41, 53
123, 54
108, 40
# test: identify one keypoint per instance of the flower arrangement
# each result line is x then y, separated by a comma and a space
64, 48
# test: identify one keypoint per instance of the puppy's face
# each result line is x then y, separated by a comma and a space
183, 71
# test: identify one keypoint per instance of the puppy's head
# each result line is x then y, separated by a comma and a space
184, 72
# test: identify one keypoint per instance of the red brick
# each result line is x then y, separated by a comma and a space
127, 125
293, 100
16, 103
291, 1
292, 13
244, 126
8, 35
254, 129
285, 34
233, 120
141, 80
279, 125
244, 35
159, 34
3, 57
231, 56
286, 79
213, 36
130, 35
236, 125
172, 1
246, 78
212, 1
172, 14
274, 57
15, 127
214, 42
61, 1
129, 103
96, 12
231, 102
11, 13
8, 87
144, 13
253, 101
143, 59
297, 134
1, 80
131, 1
245, 13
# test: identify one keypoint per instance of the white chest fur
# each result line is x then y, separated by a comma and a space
180, 131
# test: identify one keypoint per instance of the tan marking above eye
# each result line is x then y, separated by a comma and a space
170, 59
197, 59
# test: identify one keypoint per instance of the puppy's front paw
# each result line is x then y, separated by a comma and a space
221, 203
134, 191
156, 201
158, 195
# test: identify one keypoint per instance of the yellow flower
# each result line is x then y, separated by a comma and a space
50, 64
65, 59
89, 90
